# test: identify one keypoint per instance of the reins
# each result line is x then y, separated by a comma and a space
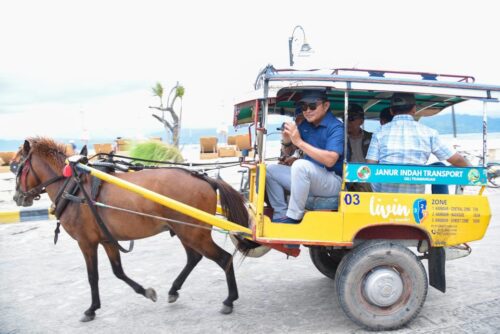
63, 196
22, 174
169, 220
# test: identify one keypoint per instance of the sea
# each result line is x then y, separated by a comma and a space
472, 143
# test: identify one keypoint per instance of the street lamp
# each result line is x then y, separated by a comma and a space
305, 49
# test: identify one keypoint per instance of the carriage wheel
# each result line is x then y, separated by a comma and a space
254, 252
326, 260
381, 285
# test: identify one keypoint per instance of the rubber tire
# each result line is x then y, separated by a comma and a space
326, 260
358, 263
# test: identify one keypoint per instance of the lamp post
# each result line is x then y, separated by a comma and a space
305, 49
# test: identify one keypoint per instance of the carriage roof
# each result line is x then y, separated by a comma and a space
371, 89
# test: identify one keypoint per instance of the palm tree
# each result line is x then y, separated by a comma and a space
173, 126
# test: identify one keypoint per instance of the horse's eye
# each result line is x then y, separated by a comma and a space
13, 167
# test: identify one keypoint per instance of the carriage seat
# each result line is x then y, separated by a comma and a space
322, 203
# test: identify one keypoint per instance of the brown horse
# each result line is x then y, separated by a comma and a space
41, 161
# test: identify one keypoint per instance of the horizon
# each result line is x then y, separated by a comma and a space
190, 136
96, 78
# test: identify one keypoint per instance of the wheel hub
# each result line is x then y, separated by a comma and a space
383, 286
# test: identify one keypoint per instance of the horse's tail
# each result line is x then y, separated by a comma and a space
233, 207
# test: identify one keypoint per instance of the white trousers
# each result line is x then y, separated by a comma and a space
308, 178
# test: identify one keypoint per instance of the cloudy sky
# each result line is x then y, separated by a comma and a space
66, 66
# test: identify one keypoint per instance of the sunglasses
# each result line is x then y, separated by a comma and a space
312, 105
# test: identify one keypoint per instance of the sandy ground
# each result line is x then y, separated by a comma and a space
44, 289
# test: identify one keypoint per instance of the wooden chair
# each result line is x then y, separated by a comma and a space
243, 142
103, 148
69, 150
231, 140
6, 157
208, 148
122, 144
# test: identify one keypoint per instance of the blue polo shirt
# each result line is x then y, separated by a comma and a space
328, 135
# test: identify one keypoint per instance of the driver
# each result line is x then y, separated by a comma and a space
321, 139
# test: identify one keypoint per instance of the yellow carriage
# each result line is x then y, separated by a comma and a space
372, 244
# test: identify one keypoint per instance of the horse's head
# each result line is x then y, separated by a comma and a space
37, 164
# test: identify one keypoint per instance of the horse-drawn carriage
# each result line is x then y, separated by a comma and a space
372, 244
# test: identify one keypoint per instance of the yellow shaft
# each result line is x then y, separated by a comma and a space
166, 201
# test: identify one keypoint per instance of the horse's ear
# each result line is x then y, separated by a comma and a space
26, 146
84, 151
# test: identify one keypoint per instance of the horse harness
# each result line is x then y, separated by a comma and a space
68, 193
64, 197
23, 169
70, 189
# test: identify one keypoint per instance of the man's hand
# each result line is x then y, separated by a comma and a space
285, 138
458, 160
292, 132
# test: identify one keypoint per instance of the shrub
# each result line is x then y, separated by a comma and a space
155, 150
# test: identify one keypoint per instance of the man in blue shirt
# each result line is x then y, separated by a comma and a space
321, 139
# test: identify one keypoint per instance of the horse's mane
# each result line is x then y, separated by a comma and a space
53, 152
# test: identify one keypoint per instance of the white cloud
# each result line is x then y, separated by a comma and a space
61, 57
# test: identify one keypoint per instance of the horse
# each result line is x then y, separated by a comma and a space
40, 167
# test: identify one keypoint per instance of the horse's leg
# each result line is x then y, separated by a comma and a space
116, 264
212, 251
193, 258
90, 254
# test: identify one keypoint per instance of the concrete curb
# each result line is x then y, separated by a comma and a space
19, 216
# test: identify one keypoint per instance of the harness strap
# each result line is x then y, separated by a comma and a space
74, 199
56, 232
170, 220
61, 202
40, 189
93, 209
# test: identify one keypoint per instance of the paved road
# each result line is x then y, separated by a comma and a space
44, 289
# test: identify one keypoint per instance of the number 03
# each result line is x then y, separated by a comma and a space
351, 199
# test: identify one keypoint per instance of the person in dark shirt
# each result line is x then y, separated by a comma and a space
358, 141
385, 116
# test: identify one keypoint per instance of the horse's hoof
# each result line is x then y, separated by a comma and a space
151, 294
173, 298
87, 318
226, 309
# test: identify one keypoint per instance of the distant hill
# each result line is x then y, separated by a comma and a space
442, 123
465, 123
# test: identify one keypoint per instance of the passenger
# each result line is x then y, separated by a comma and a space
405, 141
358, 141
321, 138
289, 152
385, 116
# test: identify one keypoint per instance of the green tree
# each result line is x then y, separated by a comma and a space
170, 119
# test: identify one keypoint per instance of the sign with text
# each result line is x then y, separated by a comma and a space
415, 174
